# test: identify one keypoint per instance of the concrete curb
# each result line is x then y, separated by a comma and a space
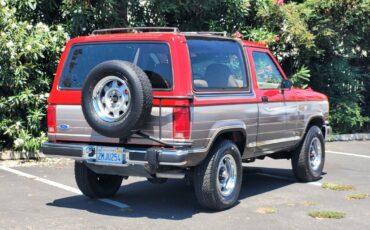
350, 137
16, 155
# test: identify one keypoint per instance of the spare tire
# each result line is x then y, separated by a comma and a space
116, 98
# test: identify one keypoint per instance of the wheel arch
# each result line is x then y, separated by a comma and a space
236, 135
315, 121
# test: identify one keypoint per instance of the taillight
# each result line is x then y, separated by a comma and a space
51, 117
181, 123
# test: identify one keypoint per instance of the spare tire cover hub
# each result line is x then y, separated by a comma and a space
111, 98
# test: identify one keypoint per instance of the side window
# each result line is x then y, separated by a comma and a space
268, 75
217, 64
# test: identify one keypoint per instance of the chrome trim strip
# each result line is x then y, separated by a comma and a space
275, 141
174, 97
328, 131
171, 175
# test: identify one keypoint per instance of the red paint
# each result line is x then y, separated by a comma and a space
182, 75
180, 62
51, 117
276, 95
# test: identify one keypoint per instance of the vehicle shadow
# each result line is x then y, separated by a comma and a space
173, 200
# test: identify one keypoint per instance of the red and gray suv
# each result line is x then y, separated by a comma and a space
158, 103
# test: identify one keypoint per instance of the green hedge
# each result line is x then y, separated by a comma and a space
320, 43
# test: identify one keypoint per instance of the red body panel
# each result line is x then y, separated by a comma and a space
182, 74
292, 94
180, 62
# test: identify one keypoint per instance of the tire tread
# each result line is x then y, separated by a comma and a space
300, 163
205, 188
87, 182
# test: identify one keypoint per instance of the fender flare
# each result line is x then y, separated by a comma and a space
219, 129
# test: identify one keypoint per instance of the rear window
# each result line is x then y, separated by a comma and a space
217, 64
153, 58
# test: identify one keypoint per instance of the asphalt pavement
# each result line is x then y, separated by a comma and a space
45, 196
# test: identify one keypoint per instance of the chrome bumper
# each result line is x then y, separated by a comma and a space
135, 156
328, 131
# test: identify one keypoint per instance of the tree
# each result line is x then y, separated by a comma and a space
320, 43
29, 54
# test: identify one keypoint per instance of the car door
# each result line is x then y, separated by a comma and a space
272, 134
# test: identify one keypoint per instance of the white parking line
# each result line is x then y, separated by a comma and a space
348, 154
61, 186
315, 183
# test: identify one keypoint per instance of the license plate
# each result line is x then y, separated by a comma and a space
110, 155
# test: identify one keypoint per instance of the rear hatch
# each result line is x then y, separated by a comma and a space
66, 122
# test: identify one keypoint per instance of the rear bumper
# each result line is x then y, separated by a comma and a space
153, 157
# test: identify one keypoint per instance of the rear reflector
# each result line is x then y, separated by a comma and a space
51, 117
181, 123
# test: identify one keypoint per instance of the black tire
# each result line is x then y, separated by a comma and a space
95, 185
140, 92
301, 157
157, 180
206, 176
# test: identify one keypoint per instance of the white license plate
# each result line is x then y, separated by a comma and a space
110, 155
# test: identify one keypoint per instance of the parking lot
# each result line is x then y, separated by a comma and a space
44, 196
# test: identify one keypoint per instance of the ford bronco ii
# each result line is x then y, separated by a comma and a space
158, 103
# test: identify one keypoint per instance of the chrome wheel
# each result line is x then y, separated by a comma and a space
315, 153
226, 175
111, 98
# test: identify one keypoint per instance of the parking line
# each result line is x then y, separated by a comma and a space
315, 183
348, 154
61, 186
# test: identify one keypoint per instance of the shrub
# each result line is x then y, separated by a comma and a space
29, 53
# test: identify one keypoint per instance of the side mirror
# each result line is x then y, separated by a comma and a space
286, 84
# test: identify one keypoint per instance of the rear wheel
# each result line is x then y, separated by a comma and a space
96, 185
217, 181
309, 158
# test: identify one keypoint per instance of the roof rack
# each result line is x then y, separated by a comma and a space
155, 29
136, 30
214, 33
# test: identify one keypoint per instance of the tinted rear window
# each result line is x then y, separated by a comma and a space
217, 64
153, 58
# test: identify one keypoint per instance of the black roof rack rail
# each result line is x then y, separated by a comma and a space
136, 30
224, 33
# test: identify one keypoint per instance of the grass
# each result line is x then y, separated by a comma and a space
337, 187
327, 215
266, 210
357, 196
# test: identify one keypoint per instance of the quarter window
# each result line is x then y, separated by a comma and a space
268, 75
217, 64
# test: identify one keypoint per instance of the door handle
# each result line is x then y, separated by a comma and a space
265, 99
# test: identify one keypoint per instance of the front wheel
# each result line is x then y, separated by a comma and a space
309, 158
95, 185
217, 181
